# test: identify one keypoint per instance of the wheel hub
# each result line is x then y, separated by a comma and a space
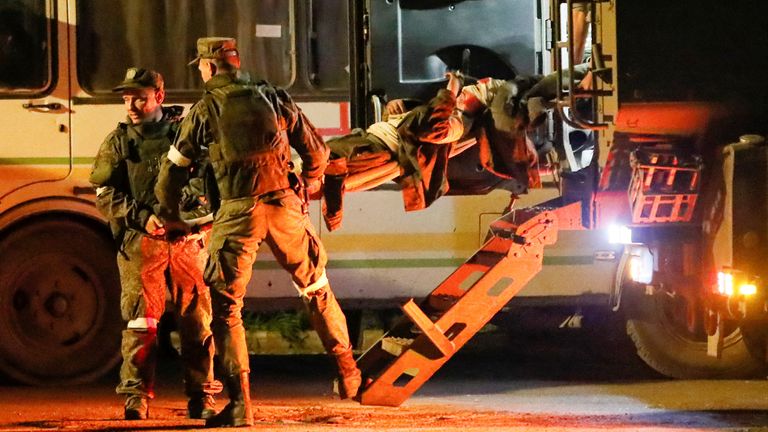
57, 305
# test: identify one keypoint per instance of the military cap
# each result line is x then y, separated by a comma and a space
215, 48
137, 78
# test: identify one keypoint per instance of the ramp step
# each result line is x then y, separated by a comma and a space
428, 335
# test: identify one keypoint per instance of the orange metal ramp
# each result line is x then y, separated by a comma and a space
429, 334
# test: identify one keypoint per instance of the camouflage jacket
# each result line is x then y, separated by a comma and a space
126, 167
245, 130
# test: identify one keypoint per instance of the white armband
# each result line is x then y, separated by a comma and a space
142, 324
178, 159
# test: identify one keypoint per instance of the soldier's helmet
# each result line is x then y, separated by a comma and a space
215, 47
138, 78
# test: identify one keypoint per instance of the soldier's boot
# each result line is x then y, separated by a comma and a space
238, 412
197, 359
137, 372
348, 383
201, 406
136, 408
330, 324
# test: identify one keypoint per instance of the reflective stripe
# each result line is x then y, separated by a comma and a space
318, 284
100, 190
142, 323
175, 156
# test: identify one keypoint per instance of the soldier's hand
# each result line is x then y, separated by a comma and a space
454, 83
586, 82
154, 226
395, 106
313, 187
176, 229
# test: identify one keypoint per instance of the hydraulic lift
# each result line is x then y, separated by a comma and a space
430, 333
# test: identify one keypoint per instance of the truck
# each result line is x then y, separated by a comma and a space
679, 136
647, 156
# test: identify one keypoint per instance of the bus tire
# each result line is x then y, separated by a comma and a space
669, 348
60, 318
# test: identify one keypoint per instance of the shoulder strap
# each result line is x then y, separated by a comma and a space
173, 130
122, 138
213, 122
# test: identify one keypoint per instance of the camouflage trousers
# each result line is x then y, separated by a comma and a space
239, 228
351, 154
149, 269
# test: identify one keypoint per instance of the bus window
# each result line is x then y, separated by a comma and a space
329, 39
116, 34
24, 43
414, 42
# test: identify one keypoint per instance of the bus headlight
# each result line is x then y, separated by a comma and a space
619, 234
725, 283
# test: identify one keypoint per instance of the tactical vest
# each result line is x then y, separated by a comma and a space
142, 148
251, 155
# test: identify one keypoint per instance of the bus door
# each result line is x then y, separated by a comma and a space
402, 49
408, 45
34, 94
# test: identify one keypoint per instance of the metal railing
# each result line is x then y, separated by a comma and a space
567, 99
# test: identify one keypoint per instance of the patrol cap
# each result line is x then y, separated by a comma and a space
137, 78
215, 48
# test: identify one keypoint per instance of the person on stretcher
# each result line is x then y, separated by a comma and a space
413, 147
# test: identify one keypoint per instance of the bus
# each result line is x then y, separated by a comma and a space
339, 59
59, 287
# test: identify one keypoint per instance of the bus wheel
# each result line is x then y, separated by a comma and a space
666, 341
60, 318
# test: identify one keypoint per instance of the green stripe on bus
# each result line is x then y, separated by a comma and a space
46, 161
375, 263
421, 263
569, 260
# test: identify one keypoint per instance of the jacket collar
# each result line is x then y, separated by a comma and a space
223, 80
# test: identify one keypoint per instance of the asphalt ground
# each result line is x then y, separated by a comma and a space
536, 382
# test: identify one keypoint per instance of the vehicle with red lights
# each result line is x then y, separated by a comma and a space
678, 115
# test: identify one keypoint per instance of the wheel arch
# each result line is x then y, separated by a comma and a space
663, 344
76, 209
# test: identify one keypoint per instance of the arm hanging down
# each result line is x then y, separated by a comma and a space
188, 152
307, 142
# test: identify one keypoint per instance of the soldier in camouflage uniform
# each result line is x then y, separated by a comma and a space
124, 173
245, 130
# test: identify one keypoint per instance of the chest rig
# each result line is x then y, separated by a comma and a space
142, 147
251, 155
